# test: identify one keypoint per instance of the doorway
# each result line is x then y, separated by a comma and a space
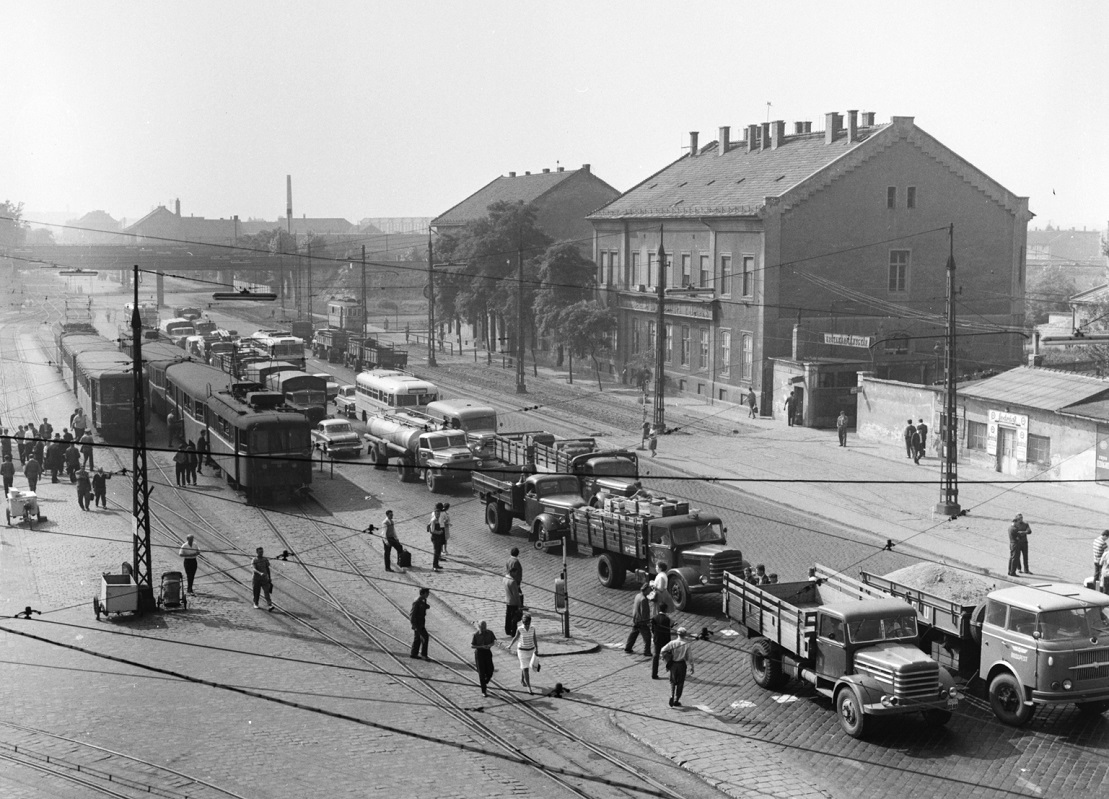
1006, 450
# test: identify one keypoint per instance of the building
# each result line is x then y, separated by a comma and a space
809, 256
95, 227
1077, 255
165, 227
562, 200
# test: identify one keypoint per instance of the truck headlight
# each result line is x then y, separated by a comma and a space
1067, 685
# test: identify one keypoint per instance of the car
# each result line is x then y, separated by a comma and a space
344, 401
187, 312
336, 437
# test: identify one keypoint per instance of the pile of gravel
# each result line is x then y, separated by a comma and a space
950, 583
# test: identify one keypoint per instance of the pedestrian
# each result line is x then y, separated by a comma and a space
660, 592
391, 541
80, 423
513, 605
1101, 544
55, 458
39, 451
171, 427
909, 435
67, 436
841, 428
921, 439
445, 520
262, 580
652, 441
646, 433
772, 579
482, 644
5, 444
189, 552
21, 443
527, 650
438, 538
418, 618
761, 577
181, 465
661, 627
513, 568
100, 488
203, 451
32, 470
1019, 531
84, 488
1103, 568
192, 461
72, 462
749, 575
46, 430
678, 655
752, 404
7, 471
790, 404
641, 621
88, 459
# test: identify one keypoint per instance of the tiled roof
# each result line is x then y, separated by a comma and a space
736, 183
521, 188
1065, 245
1034, 387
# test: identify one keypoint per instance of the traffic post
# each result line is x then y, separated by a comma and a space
562, 584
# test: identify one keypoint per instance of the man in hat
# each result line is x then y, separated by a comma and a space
678, 655
100, 488
418, 618
1019, 531
438, 535
910, 434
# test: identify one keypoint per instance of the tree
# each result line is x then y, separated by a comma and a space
566, 278
586, 327
12, 228
40, 236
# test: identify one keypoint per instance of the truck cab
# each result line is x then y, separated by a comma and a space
612, 473
696, 548
444, 456
548, 500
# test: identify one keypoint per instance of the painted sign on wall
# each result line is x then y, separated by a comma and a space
844, 340
1013, 421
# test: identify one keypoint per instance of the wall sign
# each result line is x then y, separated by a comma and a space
844, 340
1013, 421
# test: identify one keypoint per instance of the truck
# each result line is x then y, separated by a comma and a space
1025, 646
692, 544
437, 456
330, 343
371, 353
543, 502
856, 645
600, 472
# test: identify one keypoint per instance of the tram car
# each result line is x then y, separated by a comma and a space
345, 314
264, 450
100, 376
157, 356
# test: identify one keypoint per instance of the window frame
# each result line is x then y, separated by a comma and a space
905, 271
910, 197
687, 270
668, 344
703, 355
747, 350
977, 433
686, 354
726, 274
747, 275
1039, 450
705, 265
891, 197
725, 353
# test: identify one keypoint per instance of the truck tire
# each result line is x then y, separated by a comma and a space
497, 518
849, 709
936, 717
766, 666
1092, 708
432, 481
610, 571
1007, 700
378, 460
679, 592
405, 470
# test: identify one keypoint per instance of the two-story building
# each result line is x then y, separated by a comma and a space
813, 256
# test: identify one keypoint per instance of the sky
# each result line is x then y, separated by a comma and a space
405, 108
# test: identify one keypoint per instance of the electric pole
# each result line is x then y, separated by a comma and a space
430, 303
949, 434
365, 316
140, 489
660, 338
521, 388
310, 285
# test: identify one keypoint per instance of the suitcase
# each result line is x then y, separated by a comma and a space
404, 559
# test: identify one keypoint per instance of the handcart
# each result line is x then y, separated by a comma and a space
23, 506
118, 594
171, 594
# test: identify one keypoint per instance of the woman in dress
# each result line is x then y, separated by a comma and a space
527, 650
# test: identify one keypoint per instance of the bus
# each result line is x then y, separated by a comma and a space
278, 347
391, 390
478, 421
148, 314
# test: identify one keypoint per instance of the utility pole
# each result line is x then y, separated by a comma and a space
430, 303
949, 434
310, 284
140, 489
521, 388
660, 338
365, 319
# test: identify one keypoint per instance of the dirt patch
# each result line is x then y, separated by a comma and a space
950, 583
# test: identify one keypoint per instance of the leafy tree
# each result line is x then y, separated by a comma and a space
12, 228
40, 236
585, 327
566, 277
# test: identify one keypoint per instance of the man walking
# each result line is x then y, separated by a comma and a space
641, 622
513, 605
181, 465
84, 488
661, 628
171, 428
189, 552
752, 404
841, 428
72, 462
262, 580
790, 405
418, 618
646, 433
513, 568
203, 450
32, 470
679, 657
438, 535
7, 471
921, 439
89, 459
1019, 531
21, 443
5, 444
1101, 543
391, 541
100, 488
910, 436
482, 644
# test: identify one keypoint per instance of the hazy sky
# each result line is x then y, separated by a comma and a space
405, 108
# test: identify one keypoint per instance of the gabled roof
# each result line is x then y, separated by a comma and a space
1094, 296
1065, 245
511, 189
1039, 388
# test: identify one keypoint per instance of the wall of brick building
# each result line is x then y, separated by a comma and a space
561, 212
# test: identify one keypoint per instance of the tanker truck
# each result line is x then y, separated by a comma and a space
417, 451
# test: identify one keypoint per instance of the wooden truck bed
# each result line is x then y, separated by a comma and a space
608, 531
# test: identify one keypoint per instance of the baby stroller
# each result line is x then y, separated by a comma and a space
171, 594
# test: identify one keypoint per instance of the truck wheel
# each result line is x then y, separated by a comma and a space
1092, 708
432, 481
610, 571
850, 712
936, 717
679, 592
404, 471
766, 666
496, 518
1007, 700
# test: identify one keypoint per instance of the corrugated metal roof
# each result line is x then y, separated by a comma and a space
1034, 387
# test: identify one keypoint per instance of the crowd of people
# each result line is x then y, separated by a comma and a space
68, 453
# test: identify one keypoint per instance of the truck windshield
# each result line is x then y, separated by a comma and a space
613, 467
1064, 625
888, 629
448, 441
564, 485
473, 424
706, 532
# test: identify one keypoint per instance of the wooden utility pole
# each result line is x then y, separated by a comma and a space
949, 433
521, 387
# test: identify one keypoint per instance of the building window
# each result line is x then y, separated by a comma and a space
976, 435
748, 276
687, 345
910, 197
706, 272
652, 268
899, 271
891, 197
669, 343
726, 275
1039, 450
725, 353
635, 336
703, 362
897, 344
605, 269
687, 270
634, 278
652, 338
748, 356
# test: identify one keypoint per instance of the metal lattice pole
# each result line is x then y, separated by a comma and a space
140, 499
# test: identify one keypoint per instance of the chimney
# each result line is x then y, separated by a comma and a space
777, 133
867, 119
546, 171
289, 203
725, 139
562, 169
752, 137
585, 167
512, 174
808, 127
852, 126
177, 206
764, 137
832, 122
693, 149
798, 128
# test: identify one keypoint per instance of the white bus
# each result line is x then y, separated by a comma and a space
391, 390
478, 421
277, 346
